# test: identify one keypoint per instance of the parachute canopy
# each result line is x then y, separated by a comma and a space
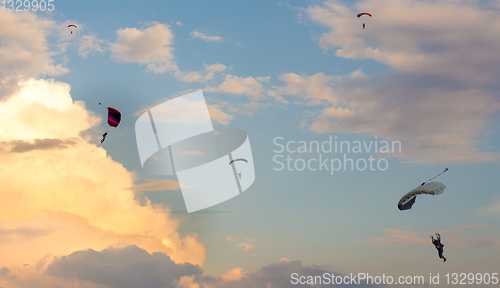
431, 188
72, 25
239, 159
114, 117
361, 14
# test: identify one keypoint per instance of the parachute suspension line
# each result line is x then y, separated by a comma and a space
434, 177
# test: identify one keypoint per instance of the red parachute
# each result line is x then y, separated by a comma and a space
114, 117
361, 14
72, 25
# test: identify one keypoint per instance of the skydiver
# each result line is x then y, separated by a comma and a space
239, 175
439, 246
363, 25
104, 136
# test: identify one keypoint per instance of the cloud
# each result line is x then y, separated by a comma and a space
151, 46
134, 267
396, 237
19, 146
242, 245
493, 208
251, 86
24, 51
201, 76
245, 246
157, 185
43, 109
200, 35
128, 267
314, 89
233, 274
416, 36
21, 234
61, 193
90, 44
437, 97
219, 116
276, 275
230, 239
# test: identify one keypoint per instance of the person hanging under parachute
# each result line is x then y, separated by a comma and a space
72, 25
426, 188
104, 136
114, 119
439, 246
361, 14
239, 159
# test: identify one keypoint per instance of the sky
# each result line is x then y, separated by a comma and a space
414, 92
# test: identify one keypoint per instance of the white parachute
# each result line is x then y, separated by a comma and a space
431, 188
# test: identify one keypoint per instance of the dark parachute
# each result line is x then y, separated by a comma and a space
72, 25
239, 159
364, 13
114, 117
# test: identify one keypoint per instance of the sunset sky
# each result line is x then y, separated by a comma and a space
422, 77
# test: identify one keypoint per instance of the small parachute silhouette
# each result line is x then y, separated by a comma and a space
239, 159
364, 13
72, 25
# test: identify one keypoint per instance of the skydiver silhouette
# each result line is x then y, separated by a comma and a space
104, 136
439, 246
363, 25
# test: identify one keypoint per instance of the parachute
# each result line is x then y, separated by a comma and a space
431, 188
114, 117
239, 159
361, 14
430, 209
72, 25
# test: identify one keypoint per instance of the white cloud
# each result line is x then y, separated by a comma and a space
24, 51
433, 37
207, 38
439, 94
251, 86
207, 74
151, 46
90, 44
76, 197
43, 109
245, 246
